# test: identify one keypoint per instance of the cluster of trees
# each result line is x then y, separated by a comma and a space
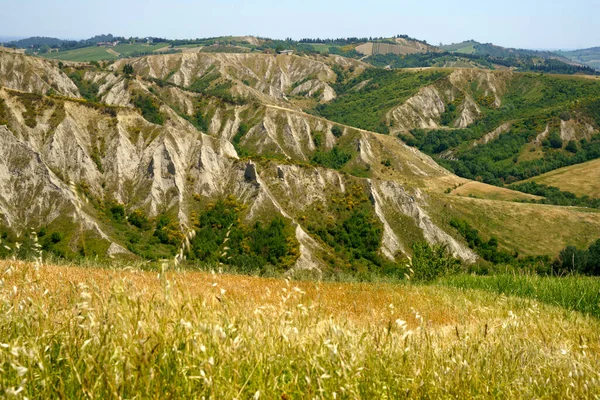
44, 44
354, 40
341, 41
531, 104
335, 158
221, 236
573, 260
353, 231
486, 163
570, 260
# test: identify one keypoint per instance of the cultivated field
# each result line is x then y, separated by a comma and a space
581, 179
98, 333
84, 54
95, 53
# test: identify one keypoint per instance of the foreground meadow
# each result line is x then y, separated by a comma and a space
72, 332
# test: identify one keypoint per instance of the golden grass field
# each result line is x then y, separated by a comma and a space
485, 191
581, 179
530, 229
72, 332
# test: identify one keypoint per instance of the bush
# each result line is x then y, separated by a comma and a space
117, 212
574, 261
139, 220
149, 109
487, 250
168, 231
555, 140
572, 146
336, 158
337, 131
128, 69
429, 263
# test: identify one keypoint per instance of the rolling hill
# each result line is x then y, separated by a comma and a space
270, 151
400, 51
589, 57
580, 179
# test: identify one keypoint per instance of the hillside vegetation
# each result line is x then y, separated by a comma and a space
131, 159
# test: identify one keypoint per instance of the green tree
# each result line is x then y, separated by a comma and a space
555, 140
572, 146
128, 69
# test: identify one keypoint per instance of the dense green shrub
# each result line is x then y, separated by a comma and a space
431, 262
336, 158
148, 107
117, 212
139, 219
572, 146
222, 237
572, 260
337, 131
168, 231
128, 69
555, 140
237, 138
87, 89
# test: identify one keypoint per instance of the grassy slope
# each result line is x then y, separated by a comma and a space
581, 179
531, 229
481, 190
106, 333
573, 293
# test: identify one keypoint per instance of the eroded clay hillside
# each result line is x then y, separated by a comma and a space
134, 166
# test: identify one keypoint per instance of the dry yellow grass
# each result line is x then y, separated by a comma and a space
531, 229
581, 179
69, 332
484, 191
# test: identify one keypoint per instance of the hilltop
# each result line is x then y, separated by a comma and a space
400, 51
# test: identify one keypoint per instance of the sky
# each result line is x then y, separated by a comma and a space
532, 24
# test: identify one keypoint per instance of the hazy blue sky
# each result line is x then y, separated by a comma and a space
514, 23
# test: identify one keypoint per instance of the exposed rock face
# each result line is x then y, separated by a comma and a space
424, 110
421, 111
57, 153
468, 113
269, 77
495, 134
414, 207
34, 75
